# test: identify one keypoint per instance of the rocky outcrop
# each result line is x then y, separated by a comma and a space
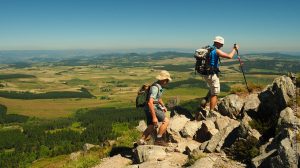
276, 97
234, 128
282, 151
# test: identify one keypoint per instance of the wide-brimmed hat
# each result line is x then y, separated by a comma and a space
219, 39
164, 75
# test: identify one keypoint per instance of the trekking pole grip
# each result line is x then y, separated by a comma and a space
237, 51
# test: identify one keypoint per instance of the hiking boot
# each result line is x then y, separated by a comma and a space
203, 103
199, 115
139, 142
211, 114
160, 142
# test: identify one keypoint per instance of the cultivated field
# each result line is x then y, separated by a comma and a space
113, 84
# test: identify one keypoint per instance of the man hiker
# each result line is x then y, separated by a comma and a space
212, 76
155, 110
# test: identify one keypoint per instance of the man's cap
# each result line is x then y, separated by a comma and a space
219, 39
164, 75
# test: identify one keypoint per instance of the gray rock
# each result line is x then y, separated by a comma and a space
75, 155
217, 140
285, 89
206, 131
221, 123
277, 96
146, 153
251, 104
231, 106
287, 156
209, 126
87, 147
256, 162
177, 123
249, 132
287, 119
233, 124
187, 145
203, 145
206, 162
114, 162
142, 126
213, 143
172, 160
190, 129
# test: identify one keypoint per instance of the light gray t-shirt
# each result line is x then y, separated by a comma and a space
156, 92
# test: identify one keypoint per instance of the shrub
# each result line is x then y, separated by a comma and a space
243, 150
238, 88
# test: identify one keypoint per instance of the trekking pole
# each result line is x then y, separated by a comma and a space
241, 65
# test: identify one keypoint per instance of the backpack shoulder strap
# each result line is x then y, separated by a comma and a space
156, 85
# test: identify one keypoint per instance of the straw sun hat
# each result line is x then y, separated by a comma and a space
164, 75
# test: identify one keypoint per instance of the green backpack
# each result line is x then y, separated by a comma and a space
142, 97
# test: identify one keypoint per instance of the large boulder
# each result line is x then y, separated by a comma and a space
287, 119
206, 131
142, 126
216, 160
231, 106
251, 104
276, 97
222, 122
172, 160
205, 162
116, 161
186, 146
215, 143
146, 153
190, 129
177, 123
281, 152
249, 131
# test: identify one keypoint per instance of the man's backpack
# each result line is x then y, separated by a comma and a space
143, 95
202, 60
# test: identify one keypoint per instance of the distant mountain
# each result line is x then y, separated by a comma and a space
50, 56
276, 55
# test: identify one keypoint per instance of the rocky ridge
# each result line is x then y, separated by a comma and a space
258, 130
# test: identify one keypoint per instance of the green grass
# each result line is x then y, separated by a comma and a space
53, 162
127, 136
13, 76
76, 82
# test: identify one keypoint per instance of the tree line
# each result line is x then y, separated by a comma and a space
39, 138
84, 93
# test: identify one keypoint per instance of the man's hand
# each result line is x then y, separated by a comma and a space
165, 109
154, 121
236, 47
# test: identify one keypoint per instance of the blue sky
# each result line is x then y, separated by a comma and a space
129, 24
